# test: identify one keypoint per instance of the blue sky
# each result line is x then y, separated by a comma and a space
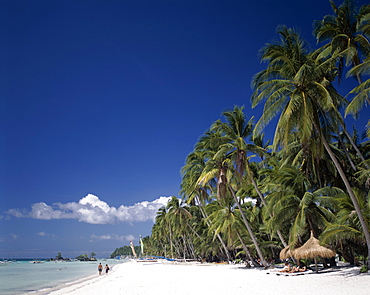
101, 102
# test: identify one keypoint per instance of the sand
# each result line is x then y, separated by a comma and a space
149, 278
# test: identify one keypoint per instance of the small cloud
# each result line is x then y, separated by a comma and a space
111, 237
91, 209
15, 213
44, 234
14, 236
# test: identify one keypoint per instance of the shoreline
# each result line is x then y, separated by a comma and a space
49, 290
141, 278
72, 282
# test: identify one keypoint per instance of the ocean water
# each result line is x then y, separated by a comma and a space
22, 277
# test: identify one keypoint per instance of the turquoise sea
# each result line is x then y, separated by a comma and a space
22, 277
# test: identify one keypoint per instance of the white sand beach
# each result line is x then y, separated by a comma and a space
143, 278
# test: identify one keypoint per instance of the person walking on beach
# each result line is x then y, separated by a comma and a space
100, 268
106, 269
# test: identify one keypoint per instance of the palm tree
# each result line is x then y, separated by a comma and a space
297, 86
179, 218
160, 230
362, 95
219, 168
225, 219
249, 228
231, 148
237, 129
342, 30
345, 230
190, 187
347, 31
362, 90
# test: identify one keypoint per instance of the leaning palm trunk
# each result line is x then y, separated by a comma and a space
247, 253
355, 146
205, 216
347, 154
264, 202
171, 241
352, 196
253, 237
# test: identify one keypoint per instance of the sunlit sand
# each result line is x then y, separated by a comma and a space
154, 278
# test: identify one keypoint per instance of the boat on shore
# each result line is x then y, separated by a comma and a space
36, 261
164, 260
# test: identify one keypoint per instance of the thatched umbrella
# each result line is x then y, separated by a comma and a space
313, 249
285, 253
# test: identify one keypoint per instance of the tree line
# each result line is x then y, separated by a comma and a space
126, 251
247, 197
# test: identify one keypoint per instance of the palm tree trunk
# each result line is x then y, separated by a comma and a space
171, 241
247, 253
347, 154
185, 248
205, 216
253, 237
354, 145
263, 201
352, 196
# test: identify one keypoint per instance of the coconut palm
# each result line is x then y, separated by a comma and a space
220, 168
231, 156
343, 31
223, 219
345, 231
347, 32
179, 217
297, 86
237, 130
362, 95
226, 219
191, 189
160, 230
362, 90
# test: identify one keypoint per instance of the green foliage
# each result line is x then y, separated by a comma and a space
364, 269
310, 178
82, 257
125, 251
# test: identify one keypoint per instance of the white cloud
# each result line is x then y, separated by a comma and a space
16, 213
112, 237
44, 234
14, 236
91, 209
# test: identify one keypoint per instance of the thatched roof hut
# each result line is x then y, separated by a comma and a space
312, 249
285, 253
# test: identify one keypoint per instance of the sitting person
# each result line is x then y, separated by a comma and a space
302, 268
299, 268
287, 268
